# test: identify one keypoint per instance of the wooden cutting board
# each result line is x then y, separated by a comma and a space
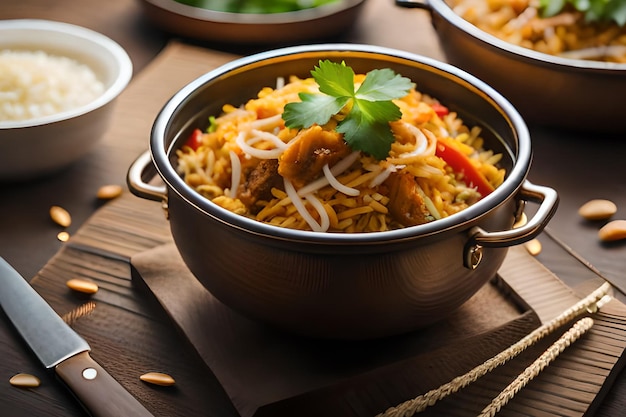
269, 373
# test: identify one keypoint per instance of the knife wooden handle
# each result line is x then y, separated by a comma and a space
100, 394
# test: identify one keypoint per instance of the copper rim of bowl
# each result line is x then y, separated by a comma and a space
444, 10
175, 183
111, 92
254, 18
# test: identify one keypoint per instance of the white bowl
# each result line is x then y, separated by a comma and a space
41, 145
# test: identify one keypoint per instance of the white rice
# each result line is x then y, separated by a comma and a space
34, 84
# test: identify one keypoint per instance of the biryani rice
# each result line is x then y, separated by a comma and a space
360, 201
566, 34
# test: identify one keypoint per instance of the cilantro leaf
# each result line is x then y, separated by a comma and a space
366, 126
313, 109
335, 80
382, 85
366, 130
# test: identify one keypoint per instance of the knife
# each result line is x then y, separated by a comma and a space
60, 348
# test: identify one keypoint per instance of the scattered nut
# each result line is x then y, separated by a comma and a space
82, 285
63, 236
158, 378
109, 192
24, 381
597, 209
60, 216
533, 247
521, 222
615, 230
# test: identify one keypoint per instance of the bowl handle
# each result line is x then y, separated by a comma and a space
548, 200
137, 185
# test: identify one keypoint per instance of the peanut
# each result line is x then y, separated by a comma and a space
109, 192
82, 285
24, 381
533, 247
597, 209
60, 216
158, 378
615, 230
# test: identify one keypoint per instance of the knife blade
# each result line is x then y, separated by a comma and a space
59, 347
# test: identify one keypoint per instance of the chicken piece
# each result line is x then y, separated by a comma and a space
313, 148
406, 204
259, 183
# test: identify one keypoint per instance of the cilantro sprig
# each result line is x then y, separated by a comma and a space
594, 10
369, 109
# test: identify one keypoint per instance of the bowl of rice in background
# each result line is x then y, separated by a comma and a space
558, 71
58, 85
318, 269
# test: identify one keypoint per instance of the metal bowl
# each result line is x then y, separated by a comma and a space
39, 146
343, 285
253, 29
546, 89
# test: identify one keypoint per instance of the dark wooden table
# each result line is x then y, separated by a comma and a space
580, 166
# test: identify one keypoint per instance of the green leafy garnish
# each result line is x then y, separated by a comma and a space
255, 6
212, 124
370, 108
594, 10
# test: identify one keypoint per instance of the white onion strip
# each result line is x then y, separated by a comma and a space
235, 165
270, 137
334, 182
595, 52
337, 169
319, 207
267, 123
299, 205
425, 142
257, 153
432, 142
382, 176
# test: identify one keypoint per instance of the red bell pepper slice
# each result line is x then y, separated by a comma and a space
195, 139
460, 163
439, 109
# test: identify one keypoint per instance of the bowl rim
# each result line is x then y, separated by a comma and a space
215, 16
123, 77
445, 11
175, 183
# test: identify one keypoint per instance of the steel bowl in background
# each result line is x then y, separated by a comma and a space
334, 285
250, 28
35, 147
547, 90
